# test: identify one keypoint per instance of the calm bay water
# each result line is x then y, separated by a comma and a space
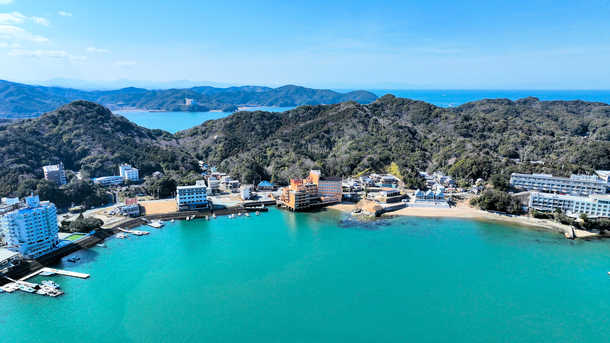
178, 121
317, 277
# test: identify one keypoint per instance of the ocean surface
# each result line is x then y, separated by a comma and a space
178, 121
321, 277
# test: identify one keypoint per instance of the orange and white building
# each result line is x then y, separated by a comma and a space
315, 190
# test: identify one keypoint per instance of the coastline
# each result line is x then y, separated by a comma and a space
468, 212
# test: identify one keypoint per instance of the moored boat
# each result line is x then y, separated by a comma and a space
214, 215
50, 283
47, 273
257, 213
27, 289
101, 245
247, 215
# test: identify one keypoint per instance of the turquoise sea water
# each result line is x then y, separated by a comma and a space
317, 277
178, 121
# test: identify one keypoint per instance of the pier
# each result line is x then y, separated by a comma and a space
58, 272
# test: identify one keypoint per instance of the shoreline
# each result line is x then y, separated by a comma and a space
467, 212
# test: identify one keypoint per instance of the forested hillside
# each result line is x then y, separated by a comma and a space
477, 139
84, 136
20, 100
467, 142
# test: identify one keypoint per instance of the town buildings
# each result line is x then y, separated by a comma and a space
192, 197
314, 190
594, 205
55, 173
30, 227
244, 193
574, 185
128, 173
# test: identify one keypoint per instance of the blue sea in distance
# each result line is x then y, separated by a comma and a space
178, 121
324, 277
456, 97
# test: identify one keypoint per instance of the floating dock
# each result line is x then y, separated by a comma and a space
56, 271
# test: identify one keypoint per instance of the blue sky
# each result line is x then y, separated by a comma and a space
335, 44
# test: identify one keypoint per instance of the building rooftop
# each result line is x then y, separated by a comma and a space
50, 168
562, 197
579, 178
191, 187
4, 254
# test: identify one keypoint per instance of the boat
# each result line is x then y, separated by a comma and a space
172, 221
72, 259
50, 283
188, 218
247, 215
207, 218
192, 217
27, 289
214, 215
230, 216
101, 245
47, 273
608, 273
239, 214
257, 213
41, 291
121, 235
157, 224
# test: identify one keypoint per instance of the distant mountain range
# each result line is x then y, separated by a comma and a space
20, 100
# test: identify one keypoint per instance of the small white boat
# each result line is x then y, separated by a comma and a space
247, 215
172, 221
239, 214
41, 291
47, 273
207, 218
257, 213
51, 284
214, 215
192, 217
27, 289
230, 216
101, 245
121, 235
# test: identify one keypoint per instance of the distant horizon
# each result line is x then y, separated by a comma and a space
91, 85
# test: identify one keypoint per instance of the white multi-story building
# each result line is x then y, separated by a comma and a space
192, 197
244, 193
213, 185
576, 184
128, 173
593, 206
31, 227
108, 180
55, 173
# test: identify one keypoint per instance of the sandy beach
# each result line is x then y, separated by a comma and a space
463, 210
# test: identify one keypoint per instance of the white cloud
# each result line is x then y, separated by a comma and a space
126, 64
12, 46
65, 14
4, 2
17, 33
41, 21
18, 18
49, 55
12, 18
92, 49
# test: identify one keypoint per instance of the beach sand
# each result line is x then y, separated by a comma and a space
159, 207
463, 210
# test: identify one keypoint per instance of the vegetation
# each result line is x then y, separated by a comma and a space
81, 224
494, 200
19, 100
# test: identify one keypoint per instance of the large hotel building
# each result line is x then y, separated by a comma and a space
574, 185
30, 228
593, 206
314, 190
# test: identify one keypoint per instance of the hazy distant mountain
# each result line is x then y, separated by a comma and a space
20, 100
